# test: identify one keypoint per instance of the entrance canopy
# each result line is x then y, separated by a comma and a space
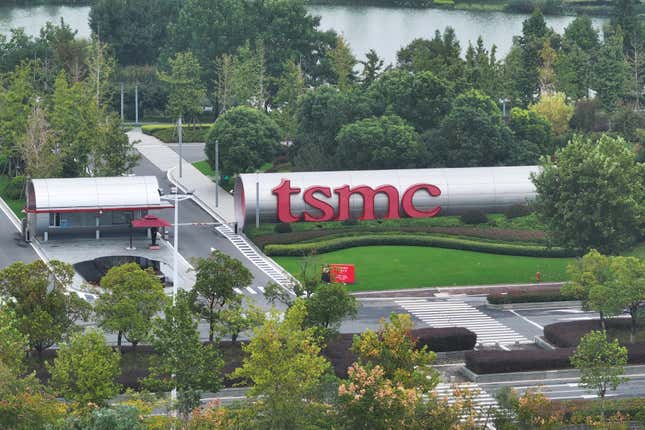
150, 221
120, 193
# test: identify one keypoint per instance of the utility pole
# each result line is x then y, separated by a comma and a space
216, 174
180, 146
122, 119
136, 104
257, 199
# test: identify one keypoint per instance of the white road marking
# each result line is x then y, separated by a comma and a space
527, 320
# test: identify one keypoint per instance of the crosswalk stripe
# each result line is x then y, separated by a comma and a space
452, 313
251, 290
238, 291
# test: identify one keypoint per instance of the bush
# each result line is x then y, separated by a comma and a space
445, 339
338, 352
300, 249
534, 360
516, 211
474, 217
568, 334
168, 132
15, 188
528, 297
350, 221
283, 227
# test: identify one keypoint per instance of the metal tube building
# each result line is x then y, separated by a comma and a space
100, 204
327, 196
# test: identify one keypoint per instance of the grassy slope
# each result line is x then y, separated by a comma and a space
15, 205
394, 267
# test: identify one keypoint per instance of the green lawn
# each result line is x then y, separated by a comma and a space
204, 167
395, 267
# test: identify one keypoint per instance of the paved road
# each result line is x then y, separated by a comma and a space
191, 152
12, 247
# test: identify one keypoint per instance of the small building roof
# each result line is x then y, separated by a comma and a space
93, 194
150, 221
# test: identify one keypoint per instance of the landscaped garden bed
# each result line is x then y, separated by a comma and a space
568, 334
168, 132
549, 294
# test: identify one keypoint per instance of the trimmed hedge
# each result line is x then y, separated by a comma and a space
301, 249
445, 339
474, 216
168, 132
567, 334
283, 227
534, 360
553, 295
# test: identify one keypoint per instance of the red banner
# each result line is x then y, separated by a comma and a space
342, 273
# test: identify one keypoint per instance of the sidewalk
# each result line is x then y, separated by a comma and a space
192, 179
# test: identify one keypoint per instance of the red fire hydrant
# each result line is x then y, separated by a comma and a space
537, 276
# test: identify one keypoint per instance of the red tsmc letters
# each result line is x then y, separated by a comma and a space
284, 191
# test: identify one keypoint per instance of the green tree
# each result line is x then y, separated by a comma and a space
284, 364
248, 138
183, 362
329, 306
290, 87
241, 78
131, 298
342, 64
321, 113
16, 99
625, 18
134, 29
439, 55
117, 417
482, 71
581, 32
385, 142
472, 134
531, 134
186, 93
13, 344
573, 210
372, 68
218, 276
422, 99
600, 362
591, 273
610, 73
629, 285
556, 110
574, 72
43, 309
37, 149
85, 369
235, 319
394, 349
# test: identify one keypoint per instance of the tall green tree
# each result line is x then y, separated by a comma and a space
17, 97
422, 99
290, 87
532, 136
44, 311
329, 306
372, 68
576, 214
472, 134
183, 362
241, 78
611, 72
85, 369
556, 110
284, 364
601, 363
130, 299
482, 71
13, 343
217, 277
385, 142
342, 64
186, 92
629, 285
247, 138
235, 319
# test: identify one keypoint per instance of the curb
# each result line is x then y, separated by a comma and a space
4, 207
634, 370
534, 305
456, 289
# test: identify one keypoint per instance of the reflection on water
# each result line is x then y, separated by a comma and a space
384, 29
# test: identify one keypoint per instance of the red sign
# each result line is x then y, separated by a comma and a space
342, 273
284, 191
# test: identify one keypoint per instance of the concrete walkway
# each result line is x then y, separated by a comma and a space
191, 179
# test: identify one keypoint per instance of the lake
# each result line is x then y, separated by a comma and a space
384, 29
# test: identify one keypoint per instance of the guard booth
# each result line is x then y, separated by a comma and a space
88, 206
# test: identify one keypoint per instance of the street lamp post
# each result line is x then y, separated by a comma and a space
503, 102
216, 174
176, 198
257, 199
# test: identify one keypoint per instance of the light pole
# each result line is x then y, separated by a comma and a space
216, 174
175, 197
180, 146
503, 102
257, 199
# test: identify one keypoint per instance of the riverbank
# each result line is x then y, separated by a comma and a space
601, 8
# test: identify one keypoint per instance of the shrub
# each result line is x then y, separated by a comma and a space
516, 211
338, 352
283, 227
445, 339
474, 217
350, 221
534, 360
518, 361
528, 297
567, 334
168, 132
15, 188
300, 249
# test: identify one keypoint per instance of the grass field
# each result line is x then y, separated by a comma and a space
396, 267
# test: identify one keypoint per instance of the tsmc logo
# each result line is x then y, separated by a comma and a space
398, 205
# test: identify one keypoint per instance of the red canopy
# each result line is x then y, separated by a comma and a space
149, 221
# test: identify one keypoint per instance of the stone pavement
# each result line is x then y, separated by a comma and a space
191, 179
